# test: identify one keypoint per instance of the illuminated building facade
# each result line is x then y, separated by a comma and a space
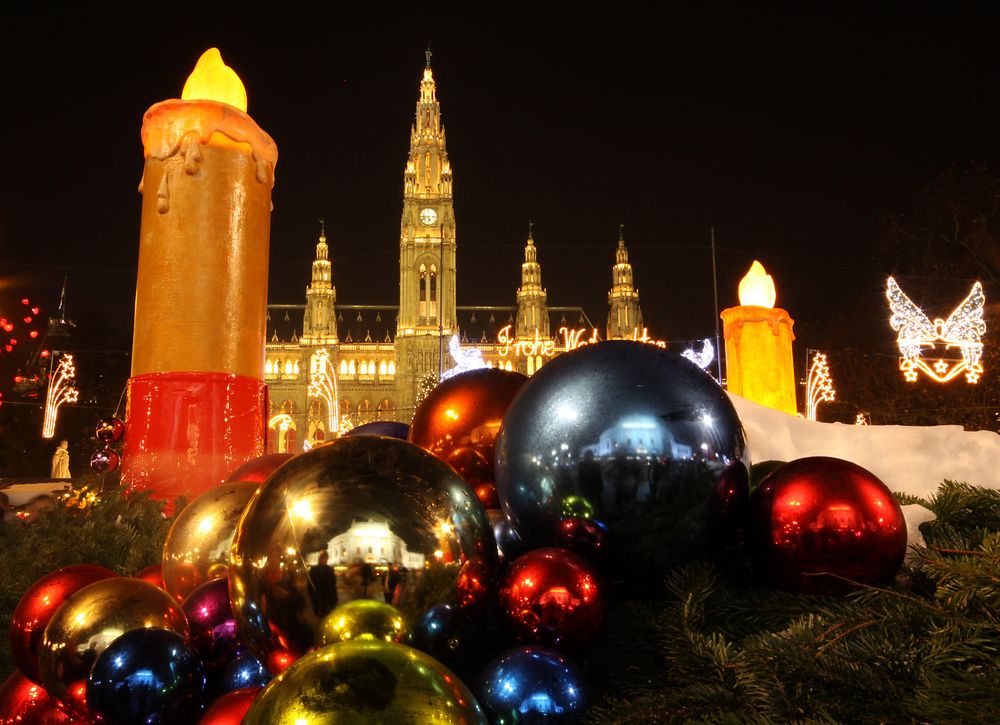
379, 354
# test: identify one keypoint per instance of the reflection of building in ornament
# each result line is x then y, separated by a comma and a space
642, 437
372, 542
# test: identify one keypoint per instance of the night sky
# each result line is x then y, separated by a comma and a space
792, 136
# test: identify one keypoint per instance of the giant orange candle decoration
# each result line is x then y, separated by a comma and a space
759, 344
197, 402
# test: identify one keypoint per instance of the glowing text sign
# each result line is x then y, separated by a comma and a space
568, 340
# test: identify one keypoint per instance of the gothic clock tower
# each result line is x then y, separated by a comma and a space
426, 248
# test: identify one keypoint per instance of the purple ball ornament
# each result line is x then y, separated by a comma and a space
213, 629
105, 460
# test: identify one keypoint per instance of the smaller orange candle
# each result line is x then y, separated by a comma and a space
759, 338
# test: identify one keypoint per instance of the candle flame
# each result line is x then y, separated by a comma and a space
757, 287
213, 80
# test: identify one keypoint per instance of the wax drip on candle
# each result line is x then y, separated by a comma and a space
192, 154
163, 194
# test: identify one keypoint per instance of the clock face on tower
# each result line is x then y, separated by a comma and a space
428, 216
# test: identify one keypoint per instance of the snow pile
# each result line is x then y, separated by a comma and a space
911, 459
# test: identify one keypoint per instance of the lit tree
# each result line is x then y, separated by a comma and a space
819, 386
61, 391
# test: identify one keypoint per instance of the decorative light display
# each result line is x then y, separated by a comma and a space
704, 357
470, 359
963, 329
861, 419
61, 391
819, 385
323, 385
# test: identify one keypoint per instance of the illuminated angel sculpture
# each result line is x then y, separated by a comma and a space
963, 329
703, 358
470, 359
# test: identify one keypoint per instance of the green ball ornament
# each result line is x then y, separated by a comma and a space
362, 619
366, 681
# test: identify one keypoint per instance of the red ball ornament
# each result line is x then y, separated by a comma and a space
152, 574
110, 430
105, 460
27, 703
585, 537
459, 421
825, 525
230, 708
37, 606
259, 468
552, 597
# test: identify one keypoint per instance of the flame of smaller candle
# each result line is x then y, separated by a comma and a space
757, 287
213, 80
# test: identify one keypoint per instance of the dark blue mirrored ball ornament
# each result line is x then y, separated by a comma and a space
245, 670
147, 677
533, 685
632, 435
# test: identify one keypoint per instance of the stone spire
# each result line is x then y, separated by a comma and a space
624, 313
319, 324
532, 312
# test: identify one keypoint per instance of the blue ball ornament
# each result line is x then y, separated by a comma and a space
244, 671
388, 428
147, 677
533, 685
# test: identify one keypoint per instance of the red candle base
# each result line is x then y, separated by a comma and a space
185, 432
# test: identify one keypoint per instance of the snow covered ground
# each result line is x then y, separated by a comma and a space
912, 459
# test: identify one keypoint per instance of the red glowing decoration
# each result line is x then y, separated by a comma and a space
34, 310
26, 703
18, 379
45, 353
459, 420
817, 525
37, 606
33, 334
230, 708
27, 320
25, 301
553, 597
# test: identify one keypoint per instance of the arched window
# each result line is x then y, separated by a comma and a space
296, 367
382, 368
364, 367
343, 367
288, 367
531, 365
432, 293
350, 368
422, 311
365, 411
539, 361
392, 367
268, 368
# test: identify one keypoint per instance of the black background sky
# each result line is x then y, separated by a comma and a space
791, 135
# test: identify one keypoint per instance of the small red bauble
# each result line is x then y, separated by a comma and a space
230, 708
259, 469
37, 606
459, 421
26, 703
152, 574
552, 597
825, 525
585, 537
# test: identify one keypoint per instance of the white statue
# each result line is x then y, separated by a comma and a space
60, 461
